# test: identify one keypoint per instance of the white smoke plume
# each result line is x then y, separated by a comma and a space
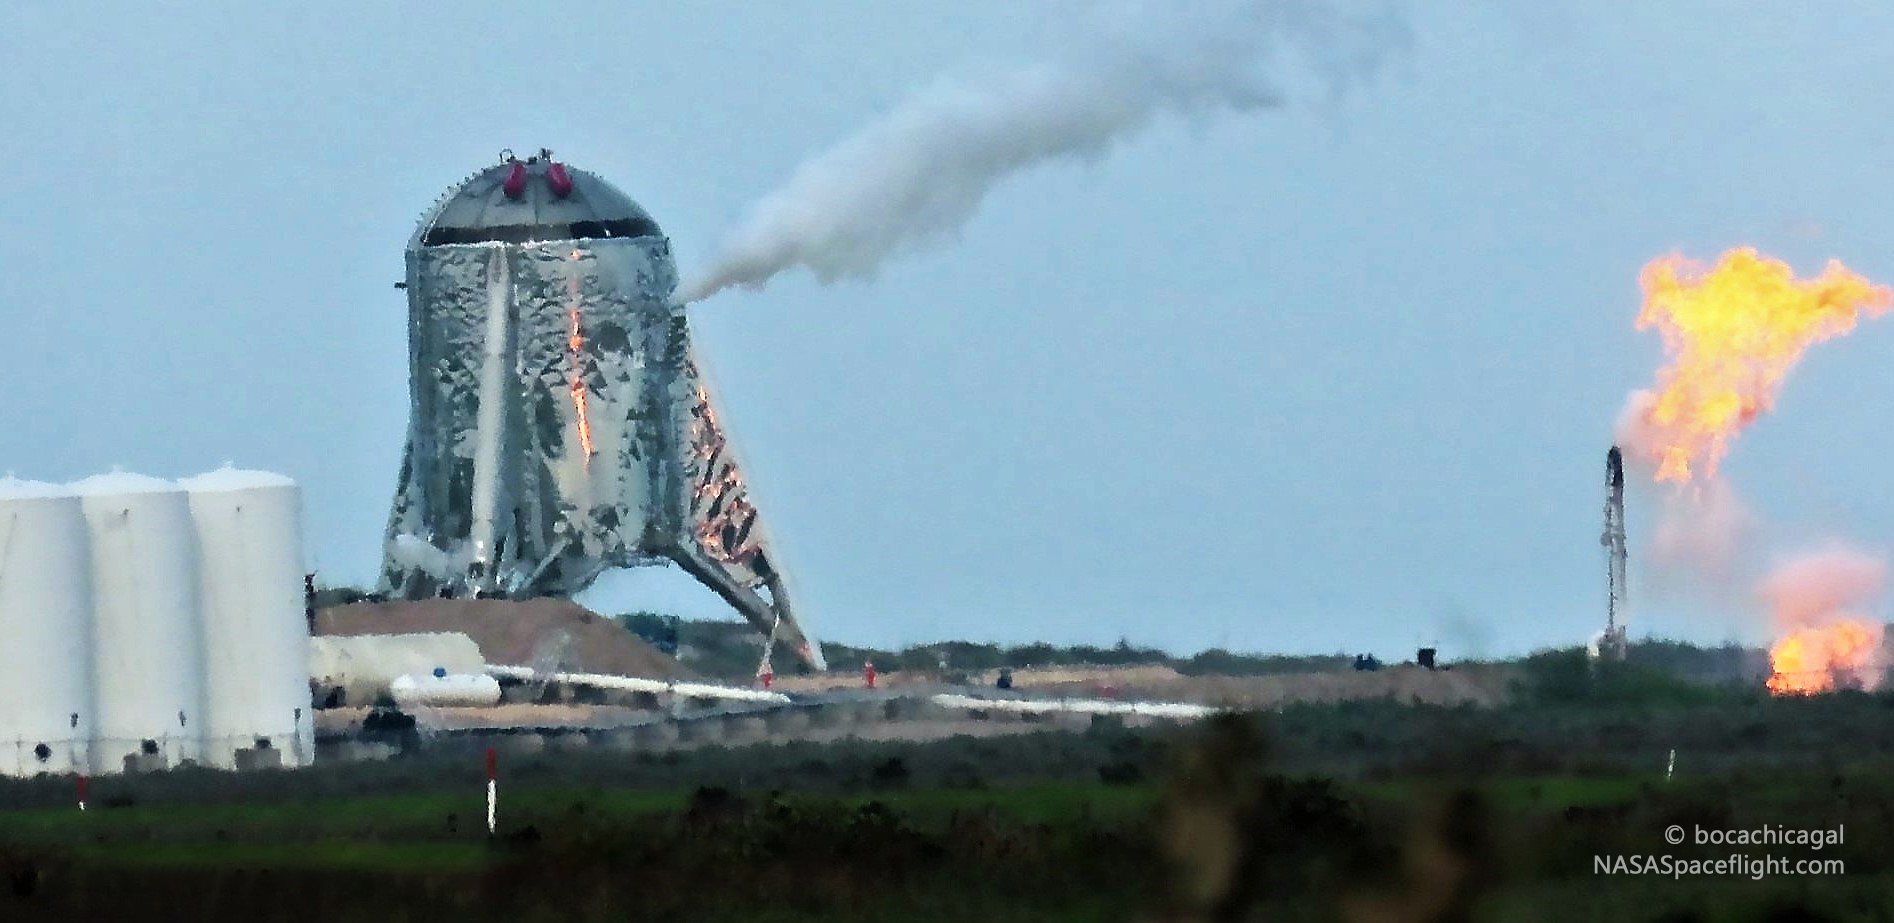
1820, 587
1704, 542
1641, 440
415, 553
917, 174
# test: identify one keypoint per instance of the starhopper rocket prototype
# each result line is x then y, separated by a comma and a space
560, 424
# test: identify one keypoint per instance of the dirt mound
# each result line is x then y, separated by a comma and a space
554, 634
1482, 685
1473, 684
1139, 675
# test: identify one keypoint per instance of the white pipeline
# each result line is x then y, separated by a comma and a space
636, 684
1181, 710
1081, 706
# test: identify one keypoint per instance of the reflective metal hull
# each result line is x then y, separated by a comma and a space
559, 426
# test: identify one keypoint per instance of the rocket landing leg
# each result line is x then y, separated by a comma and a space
769, 614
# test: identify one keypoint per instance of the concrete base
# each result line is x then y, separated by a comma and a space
250, 759
349, 751
146, 762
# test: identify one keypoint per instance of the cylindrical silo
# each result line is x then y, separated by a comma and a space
45, 630
256, 634
147, 668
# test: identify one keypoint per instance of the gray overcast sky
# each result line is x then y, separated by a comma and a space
1310, 380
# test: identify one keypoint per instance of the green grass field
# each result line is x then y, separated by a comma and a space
908, 846
1361, 812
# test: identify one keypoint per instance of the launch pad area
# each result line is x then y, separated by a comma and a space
568, 713
742, 815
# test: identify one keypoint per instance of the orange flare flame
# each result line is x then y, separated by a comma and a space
1732, 333
1816, 659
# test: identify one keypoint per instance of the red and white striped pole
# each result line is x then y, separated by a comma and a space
84, 783
493, 787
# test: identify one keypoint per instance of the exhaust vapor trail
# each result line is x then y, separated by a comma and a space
916, 175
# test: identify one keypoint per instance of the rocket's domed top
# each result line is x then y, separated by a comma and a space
532, 199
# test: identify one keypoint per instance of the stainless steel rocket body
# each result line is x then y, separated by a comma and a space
559, 426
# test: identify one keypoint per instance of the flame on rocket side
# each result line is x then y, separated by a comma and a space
575, 348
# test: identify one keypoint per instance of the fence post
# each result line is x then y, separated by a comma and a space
493, 787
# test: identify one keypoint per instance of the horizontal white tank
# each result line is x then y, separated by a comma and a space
637, 684
146, 638
445, 690
364, 666
255, 626
45, 631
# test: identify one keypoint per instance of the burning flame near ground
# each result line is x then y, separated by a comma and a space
1814, 660
1732, 332
1815, 599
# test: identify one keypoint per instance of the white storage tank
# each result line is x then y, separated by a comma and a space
147, 667
363, 666
256, 633
45, 630
441, 689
